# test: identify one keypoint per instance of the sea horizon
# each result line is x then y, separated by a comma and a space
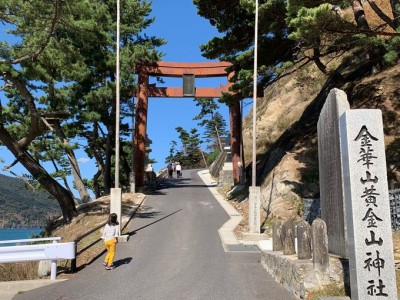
7, 234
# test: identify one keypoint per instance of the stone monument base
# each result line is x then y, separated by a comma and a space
298, 275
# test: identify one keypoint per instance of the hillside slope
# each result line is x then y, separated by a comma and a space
287, 154
21, 207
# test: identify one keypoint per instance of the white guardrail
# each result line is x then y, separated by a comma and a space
51, 251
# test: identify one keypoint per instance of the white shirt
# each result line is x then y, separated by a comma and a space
178, 167
110, 232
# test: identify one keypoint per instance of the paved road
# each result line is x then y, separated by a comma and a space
174, 253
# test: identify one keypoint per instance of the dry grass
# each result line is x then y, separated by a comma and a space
326, 290
18, 271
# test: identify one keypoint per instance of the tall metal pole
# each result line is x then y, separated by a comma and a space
117, 103
253, 177
116, 196
255, 191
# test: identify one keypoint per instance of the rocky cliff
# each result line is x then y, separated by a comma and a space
287, 154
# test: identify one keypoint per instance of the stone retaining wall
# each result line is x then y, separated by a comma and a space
298, 275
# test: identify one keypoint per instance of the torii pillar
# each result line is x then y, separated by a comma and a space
141, 128
173, 69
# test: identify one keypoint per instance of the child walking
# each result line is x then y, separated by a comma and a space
110, 233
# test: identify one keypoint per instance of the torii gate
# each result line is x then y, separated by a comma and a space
186, 71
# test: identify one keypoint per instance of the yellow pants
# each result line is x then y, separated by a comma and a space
110, 246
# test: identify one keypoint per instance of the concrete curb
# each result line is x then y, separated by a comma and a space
226, 233
8, 289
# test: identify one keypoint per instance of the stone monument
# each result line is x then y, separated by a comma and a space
372, 273
254, 209
330, 175
227, 169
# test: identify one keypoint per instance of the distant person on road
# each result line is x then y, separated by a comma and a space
170, 170
178, 170
110, 239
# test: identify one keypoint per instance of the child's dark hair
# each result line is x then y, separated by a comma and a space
113, 219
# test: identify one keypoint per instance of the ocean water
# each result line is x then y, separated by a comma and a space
17, 234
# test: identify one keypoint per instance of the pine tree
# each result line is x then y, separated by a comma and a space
190, 156
58, 75
212, 121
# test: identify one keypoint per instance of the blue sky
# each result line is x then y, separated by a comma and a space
178, 23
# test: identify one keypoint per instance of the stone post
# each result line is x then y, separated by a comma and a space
288, 238
132, 182
254, 209
116, 202
277, 236
304, 240
320, 246
330, 173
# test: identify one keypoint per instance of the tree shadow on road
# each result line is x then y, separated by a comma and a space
150, 215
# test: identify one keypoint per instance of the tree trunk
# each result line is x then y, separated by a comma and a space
63, 196
219, 139
396, 12
125, 165
76, 173
96, 185
359, 15
235, 121
107, 163
374, 53
382, 14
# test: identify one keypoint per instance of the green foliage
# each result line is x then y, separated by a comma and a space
292, 34
235, 20
171, 156
211, 157
211, 120
62, 59
190, 155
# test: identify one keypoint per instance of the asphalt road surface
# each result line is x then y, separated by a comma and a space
174, 252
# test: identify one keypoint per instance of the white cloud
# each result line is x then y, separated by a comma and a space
83, 160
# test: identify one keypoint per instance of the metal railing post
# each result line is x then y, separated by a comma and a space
73, 261
53, 272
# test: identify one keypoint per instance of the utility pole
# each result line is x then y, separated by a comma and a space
254, 191
115, 201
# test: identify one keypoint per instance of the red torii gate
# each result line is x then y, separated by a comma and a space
175, 69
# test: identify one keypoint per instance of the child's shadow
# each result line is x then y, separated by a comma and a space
123, 261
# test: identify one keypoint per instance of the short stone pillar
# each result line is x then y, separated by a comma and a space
254, 209
132, 184
288, 238
277, 236
44, 268
320, 246
304, 240
227, 168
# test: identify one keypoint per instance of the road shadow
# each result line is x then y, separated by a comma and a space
150, 215
123, 261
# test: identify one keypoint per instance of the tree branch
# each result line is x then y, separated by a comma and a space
381, 14
32, 56
35, 120
7, 169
